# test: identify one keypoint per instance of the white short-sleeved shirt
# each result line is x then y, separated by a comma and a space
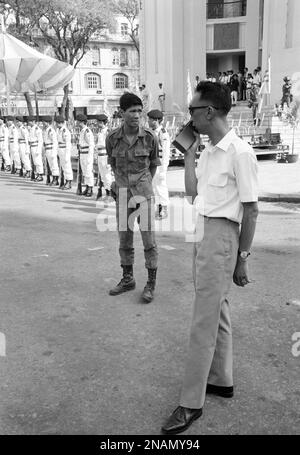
227, 176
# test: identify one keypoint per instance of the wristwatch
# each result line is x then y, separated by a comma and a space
244, 255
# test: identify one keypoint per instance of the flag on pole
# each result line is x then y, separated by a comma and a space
189, 88
269, 71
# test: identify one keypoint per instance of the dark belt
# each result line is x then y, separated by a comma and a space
21, 141
102, 154
84, 152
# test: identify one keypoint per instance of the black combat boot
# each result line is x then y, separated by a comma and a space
8, 168
127, 283
39, 178
89, 191
68, 185
55, 181
148, 292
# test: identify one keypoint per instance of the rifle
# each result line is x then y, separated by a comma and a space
61, 173
79, 174
48, 171
13, 169
2, 163
32, 176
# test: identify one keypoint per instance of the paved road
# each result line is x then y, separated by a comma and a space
80, 362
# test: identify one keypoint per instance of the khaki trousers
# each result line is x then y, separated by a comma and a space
209, 358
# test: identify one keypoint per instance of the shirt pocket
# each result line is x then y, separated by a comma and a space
217, 185
119, 156
141, 159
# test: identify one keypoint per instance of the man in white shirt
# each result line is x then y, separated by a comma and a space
159, 182
87, 146
6, 161
161, 97
224, 188
104, 169
36, 148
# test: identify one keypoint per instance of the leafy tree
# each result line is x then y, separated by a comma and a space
130, 10
65, 26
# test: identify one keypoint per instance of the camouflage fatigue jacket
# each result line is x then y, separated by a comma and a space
131, 163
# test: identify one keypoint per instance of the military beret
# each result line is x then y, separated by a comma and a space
59, 119
102, 118
20, 118
81, 118
10, 118
31, 118
156, 114
47, 118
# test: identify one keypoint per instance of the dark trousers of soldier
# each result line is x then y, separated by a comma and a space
129, 209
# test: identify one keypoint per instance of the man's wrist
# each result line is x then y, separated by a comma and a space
243, 255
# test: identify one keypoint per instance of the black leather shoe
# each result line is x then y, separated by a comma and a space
180, 420
224, 392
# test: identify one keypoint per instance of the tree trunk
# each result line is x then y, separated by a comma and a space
28, 102
63, 108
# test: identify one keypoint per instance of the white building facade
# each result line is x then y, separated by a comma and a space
109, 68
213, 36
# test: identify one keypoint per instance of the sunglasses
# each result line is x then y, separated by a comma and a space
193, 108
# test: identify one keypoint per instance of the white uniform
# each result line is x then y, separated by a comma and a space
24, 149
51, 149
64, 151
159, 182
103, 167
87, 146
36, 148
4, 144
13, 143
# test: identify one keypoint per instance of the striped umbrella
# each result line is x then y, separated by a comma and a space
25, 69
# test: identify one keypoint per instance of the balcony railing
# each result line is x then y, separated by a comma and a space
222, 10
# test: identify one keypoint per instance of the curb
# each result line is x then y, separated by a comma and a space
290, 198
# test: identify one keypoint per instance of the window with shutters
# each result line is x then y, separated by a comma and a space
123, 57
93, 81
115, 56
120, 81
124, 29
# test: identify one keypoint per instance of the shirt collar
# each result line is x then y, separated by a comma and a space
121, 132
224, 143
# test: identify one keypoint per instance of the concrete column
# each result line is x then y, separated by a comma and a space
252, 34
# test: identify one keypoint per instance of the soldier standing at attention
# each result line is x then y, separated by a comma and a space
4, 145
87, 146
160, 187
36, 147
133, 155
13, 145
64, 152
104, 168
51, 149
23, 140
